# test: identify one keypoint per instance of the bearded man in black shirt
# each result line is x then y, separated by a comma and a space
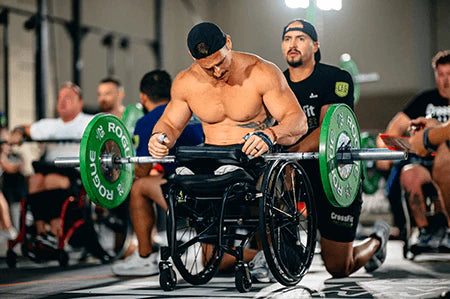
316, 87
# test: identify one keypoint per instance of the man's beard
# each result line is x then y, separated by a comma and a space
295, 63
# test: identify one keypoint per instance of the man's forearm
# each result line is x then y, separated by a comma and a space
439, 134
171, 132
290, 130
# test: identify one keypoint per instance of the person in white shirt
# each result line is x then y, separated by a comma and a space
50, 183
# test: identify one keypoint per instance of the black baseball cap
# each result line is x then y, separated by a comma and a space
207, 33
308, 28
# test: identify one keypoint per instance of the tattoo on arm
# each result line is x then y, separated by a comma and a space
259, 125
416, 200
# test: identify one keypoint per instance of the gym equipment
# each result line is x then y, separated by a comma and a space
107, 155
371, 177
131, 115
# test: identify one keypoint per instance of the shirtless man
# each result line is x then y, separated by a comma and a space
233, 94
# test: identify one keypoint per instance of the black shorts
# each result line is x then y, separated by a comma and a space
47, 205
336, 224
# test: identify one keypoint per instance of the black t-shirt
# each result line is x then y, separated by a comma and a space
327, 84
428, 104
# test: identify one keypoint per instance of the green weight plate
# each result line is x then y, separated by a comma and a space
340, 182
371, 177
106, 186
131, 115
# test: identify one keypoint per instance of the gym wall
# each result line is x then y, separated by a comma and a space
396, 39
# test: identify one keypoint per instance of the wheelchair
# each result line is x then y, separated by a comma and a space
212, 215
409, 230
84, 225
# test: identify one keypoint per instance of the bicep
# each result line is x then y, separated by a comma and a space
278, 96
177, 114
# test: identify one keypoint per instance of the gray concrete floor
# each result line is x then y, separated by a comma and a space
428, 276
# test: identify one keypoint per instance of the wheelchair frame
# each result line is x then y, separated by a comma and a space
97, 216
279, 206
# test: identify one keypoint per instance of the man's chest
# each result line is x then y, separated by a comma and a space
239, 103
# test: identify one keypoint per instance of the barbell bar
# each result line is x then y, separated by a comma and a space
107, 158
343, 157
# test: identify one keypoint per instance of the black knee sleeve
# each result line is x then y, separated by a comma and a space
430, 191
437, 220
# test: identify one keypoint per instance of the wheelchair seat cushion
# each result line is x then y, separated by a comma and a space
205, 159
204, 185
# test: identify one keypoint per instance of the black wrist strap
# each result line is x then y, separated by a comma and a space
426, 142
261, 135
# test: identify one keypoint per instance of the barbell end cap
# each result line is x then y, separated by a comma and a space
162, 137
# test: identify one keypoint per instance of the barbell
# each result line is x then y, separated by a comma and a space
107, 158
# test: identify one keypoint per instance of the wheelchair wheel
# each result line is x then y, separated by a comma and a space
63, 257
113, 228
192, 230
11, 258
288, 221
167, 279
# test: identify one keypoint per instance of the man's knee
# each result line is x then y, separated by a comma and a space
136, 193
56, 181
413, 176
36, 183
441, 165
339, 268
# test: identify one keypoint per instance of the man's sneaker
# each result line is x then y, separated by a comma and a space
437, 236
429, 238
135, 265
9, 233
259, 269
381, 232
48, 240
444, 246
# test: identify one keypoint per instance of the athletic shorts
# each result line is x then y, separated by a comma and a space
335, 224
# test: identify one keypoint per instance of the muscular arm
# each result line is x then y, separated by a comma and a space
174, 119
311, 142
397, 126
436, 135
282, 105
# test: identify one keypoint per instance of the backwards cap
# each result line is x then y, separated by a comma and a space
207, 33
308, 28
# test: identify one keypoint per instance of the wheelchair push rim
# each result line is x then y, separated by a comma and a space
194, 247
288, 221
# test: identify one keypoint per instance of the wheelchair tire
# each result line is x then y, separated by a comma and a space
168, 279
11, 258
192, 239
288, 221
113, 228
242, 279
63, 257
